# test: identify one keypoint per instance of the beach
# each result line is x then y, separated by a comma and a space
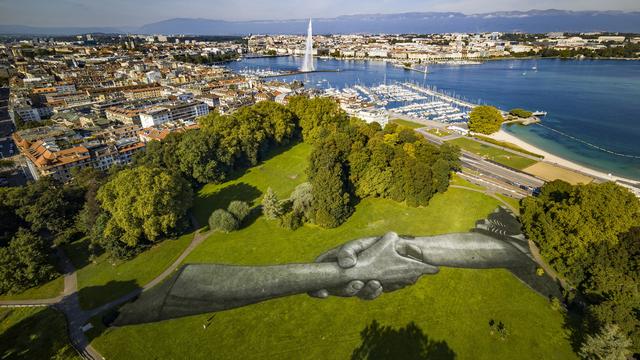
556, 160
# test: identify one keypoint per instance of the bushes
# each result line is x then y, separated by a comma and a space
231, 219
222, 220
239, 209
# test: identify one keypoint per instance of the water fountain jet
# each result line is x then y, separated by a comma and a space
307, 64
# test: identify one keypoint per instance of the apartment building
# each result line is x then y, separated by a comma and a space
184, 112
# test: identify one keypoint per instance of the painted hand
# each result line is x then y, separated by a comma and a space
375, 265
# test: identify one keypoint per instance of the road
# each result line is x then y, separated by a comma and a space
499, 178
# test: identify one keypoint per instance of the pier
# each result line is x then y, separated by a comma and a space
441, 96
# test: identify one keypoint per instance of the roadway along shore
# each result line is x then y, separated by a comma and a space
554, 159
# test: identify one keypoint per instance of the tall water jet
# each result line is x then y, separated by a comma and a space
307, 64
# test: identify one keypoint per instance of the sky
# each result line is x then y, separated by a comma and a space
69, 13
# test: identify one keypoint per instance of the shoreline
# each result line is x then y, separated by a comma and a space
550, 158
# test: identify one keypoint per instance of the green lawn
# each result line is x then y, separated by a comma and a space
457, 180
34, 333
492, 153
450, 311
409, 124
281, 173
101, 282
47, 290
511, 201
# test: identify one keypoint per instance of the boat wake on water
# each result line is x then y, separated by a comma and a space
589, 144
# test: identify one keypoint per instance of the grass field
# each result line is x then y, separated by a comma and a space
448, 313
511, 201
281, 173
102, 281
47, 290
409, 124
34, 333
551, 172
492, 153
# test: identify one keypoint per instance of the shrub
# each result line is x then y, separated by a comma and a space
539, 271
291, 220
222, 220
239, 209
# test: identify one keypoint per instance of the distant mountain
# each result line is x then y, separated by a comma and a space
59, 31
539, 21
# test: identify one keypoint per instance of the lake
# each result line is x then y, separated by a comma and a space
592, 105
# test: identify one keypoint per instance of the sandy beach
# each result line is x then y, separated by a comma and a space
554, 159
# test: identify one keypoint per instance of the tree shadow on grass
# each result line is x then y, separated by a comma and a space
407, 343
39, 336
93, 296
221, 199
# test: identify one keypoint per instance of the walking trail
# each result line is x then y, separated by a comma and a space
69, 303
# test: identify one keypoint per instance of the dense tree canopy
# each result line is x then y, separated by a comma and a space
591, 235
24, 263
485, 119
361, 160
144, 203
224, 143
317, 114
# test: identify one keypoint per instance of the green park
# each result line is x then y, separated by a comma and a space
363, 180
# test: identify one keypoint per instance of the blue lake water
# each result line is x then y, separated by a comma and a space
593, 106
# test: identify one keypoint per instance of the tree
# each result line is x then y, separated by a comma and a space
222, 220
608, 344
521, 113
271, 206
144, 203
591, 235
302, 201
316, 114
328, 175
199, 159
485, 119
24, 264
568, 221
239, 209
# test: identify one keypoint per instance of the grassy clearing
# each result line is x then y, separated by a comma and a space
101, 282
34, 333
507, 145
551, 172
511, 201
47, 290
458, 180
281, 173
452, 308
494, 154
409, 124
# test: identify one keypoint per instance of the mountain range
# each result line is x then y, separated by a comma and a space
532, 21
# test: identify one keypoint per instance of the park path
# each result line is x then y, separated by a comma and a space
69, 303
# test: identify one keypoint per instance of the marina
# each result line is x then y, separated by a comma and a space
604, 115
